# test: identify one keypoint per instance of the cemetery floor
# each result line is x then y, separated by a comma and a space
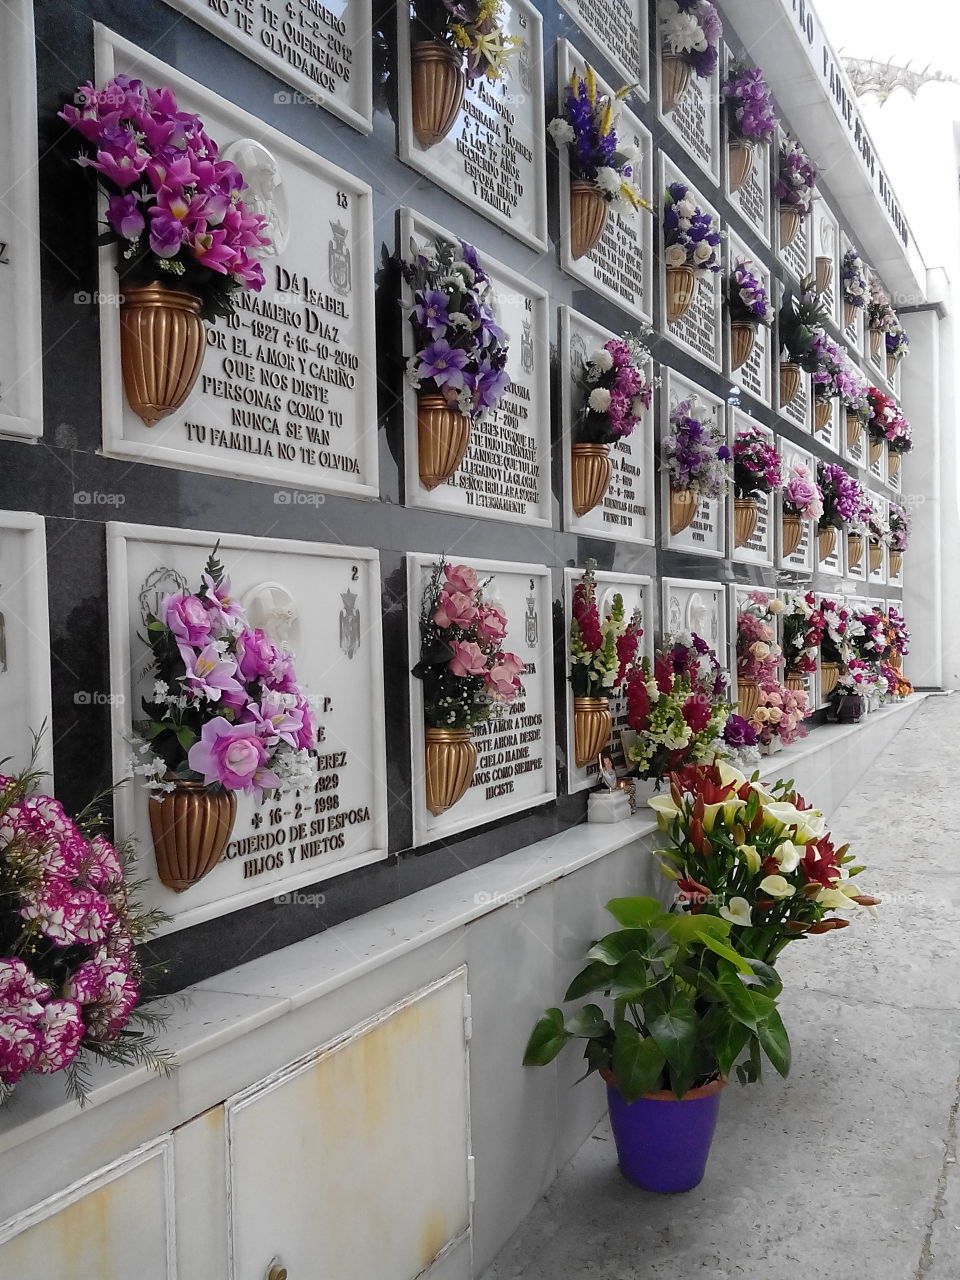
848, 1169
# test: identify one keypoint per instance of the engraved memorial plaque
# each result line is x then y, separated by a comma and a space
753, 376
758, 549
698, 330
852, 332
707, 534
695, 121
287, 390
626, 513
826, 261
800, 561
619, 29
321, 604
699, 608
25, 645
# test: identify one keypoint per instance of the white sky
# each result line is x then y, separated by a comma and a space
920, 32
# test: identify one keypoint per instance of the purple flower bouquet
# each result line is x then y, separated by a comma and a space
695, 453
899, 528
691, 30
750, 111
801, 494
473, 27
747, 298
587, 129
796, 179
691, 238
853, 280
756, 464
843, 497
616, 391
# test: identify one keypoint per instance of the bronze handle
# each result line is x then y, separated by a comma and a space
276, 1272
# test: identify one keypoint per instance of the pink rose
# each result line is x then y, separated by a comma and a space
456, 609
187, 619
256, 655
460, 577
232, 755
491, 624
468, 659
503, 678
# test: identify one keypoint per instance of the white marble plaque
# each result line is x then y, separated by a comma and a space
21, 403
829, 433
321, 48
25, 645
695, 121
754, 375
620, 31
621, 265
826, 258
878, 576
699, 608
516, 757
505, 473
287, 392
626, 513
322, 604
801, 561
856, 569
852, 332
707, 535
759, 548
833, 564
699, 330
494, 157
637, 593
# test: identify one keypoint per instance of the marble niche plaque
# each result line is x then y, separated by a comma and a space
829, 433
516, 757
878, 576
753, 376
695, 121
878, 467
801, 561
698, 608
760, 546
853, 332
627, 512
856, 569
287, 391
707, 535
809, 677
826, 259
699, 330
833, 564
621, 265
25, 645
638, 593
320, 603
741, 599
494, 157
505, 473
797, 410
620, 31
321, 48
21, 403
753, 200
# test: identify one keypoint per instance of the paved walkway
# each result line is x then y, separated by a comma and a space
849, 1168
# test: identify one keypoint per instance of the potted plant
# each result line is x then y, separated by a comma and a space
225, 714
748, 305
801, 320
676, 707
187, 241
691, 247
682, 1008
70, 923
751, 120
758, 655
453, 43
601, 652
697, 461
802, 625
690, 32
756, 470
617, 390
467, 677
853, 286
602, 172
856, 683
801, 500
459, 366
794, 189
899, 537
835, 643
842, 504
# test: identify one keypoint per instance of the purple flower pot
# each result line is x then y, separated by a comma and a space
662, 1142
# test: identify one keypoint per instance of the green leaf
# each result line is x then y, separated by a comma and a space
632, 976
546, 1040
729, 1038
721, 949
773, 1037
635, 913
588, 1023
613, 948
185, 736
739, 998
749, 1072
637, 1063
595, 977
675, 1032
687, 929
766, 978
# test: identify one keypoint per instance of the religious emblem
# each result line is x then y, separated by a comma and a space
532, 622
338, 259
349, 624
524, 71
272, 608
156, 585
675, 616
526, 347
264, 193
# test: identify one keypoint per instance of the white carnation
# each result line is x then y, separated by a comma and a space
457, 320
603, 360
560, 131
599, 399
685, 208
608, 179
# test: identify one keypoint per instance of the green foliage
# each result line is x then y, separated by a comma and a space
685, 1005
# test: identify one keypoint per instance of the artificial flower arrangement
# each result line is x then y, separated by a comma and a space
854, 286
802, 626
859, 683
779, 715
603, 173
897, 639
187, 241
878, 531
70, 975
226, 714
454, 43
691, 247
840, 629
886, 331
801, 321
459, 364
899, 521
801, 500
756, 471
758, 655
834, 375
794, 188
886, 425
616, 390
690, 32
751, 120
601, 653
748, 304
697, 460
676, 707
853, 389
843, 504
468, 677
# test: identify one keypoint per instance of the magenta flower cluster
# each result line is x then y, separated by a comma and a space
747, 297
69, 974
796, 178
834, 373
172, 201
756, 464
751, 113
843, 497
801, 494
899, 527
616, 389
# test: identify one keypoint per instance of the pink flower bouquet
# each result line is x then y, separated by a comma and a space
780, 713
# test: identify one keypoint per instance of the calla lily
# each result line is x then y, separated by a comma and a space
665, 809
788, 855
728, 774
750, 856
777, 887
737, 911
807, 823
834, 900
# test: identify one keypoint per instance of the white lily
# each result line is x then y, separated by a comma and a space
788, 855
777, 887
834, 900
737, 911
729, 774
748, 852
665, 810
807, 823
